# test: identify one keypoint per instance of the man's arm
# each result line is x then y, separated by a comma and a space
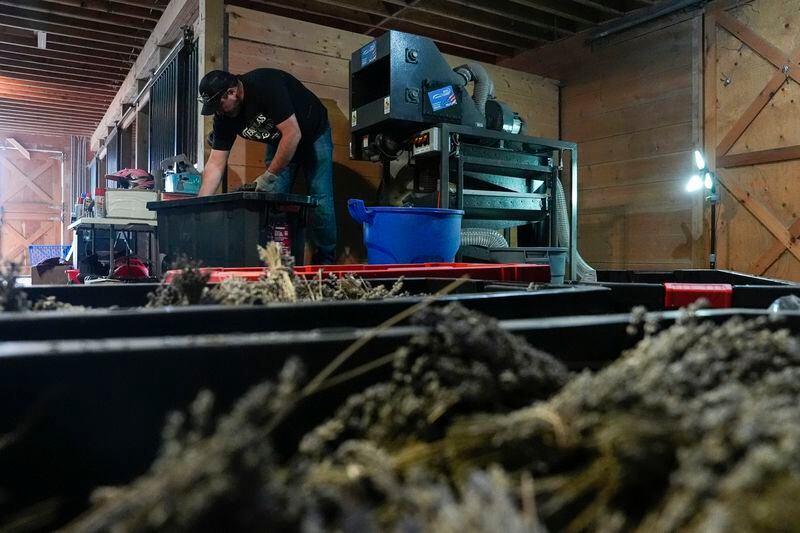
212, 172
290, 138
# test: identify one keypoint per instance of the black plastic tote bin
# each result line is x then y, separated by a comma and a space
223, 230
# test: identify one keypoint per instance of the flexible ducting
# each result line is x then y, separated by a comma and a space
583, 270
487, 238
484, 86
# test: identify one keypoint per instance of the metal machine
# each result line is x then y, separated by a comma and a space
441, 146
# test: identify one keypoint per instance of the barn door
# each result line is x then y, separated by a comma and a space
30, 204
752, 132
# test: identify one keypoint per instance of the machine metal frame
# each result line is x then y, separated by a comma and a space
535, 144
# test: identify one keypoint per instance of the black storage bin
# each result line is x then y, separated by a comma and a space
223, 230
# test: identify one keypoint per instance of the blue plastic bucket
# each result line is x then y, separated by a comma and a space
408, 234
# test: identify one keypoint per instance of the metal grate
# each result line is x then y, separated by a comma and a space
173, 107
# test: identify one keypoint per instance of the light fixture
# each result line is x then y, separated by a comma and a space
699, 160
707, 182
41, 39
695, 183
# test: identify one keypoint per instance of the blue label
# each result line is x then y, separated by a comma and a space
442, 98
369, 53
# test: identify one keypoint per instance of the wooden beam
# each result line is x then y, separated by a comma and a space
762, 214
534, 30
600, 7
757, 44
58, 66
87, 82
768, 258
52, 108
67, 57
68, 45
432, 29
72, 101
567, 10
760, 157
44, 83
21, 149
521, 16
10, 17
68, 15
745, 119
212, 54
106, 6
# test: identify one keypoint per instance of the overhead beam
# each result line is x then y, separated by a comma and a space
47, 115
518, 17
56, 57
67, 45
59, 13
121, 41
600, 7
21, 149
106, 6
11, 72
455, 20
52, 108
88, 81
57, 66
56, 87
567, 10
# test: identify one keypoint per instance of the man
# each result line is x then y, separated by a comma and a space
271, 106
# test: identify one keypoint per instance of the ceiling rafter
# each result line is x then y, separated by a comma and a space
92, 44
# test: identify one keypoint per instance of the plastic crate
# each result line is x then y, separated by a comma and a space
222, 230
41, 252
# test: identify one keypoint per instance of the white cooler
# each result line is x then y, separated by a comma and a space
124, 203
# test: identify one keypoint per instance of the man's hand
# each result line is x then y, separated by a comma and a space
266, 182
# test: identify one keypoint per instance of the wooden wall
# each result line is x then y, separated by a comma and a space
319, 57
753, 131
632, 103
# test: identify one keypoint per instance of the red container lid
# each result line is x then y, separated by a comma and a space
521, 272
719, 295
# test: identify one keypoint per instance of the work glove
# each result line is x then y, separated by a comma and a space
266, 182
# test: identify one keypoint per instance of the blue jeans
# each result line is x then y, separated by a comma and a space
316, 162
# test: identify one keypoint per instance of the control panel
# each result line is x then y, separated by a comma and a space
426, 142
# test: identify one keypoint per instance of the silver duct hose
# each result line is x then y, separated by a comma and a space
488, 238
484, 86
583, 270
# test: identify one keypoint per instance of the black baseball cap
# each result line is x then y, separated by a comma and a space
212, 87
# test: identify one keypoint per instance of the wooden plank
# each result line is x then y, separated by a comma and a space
601, 96
750, 113
762, 214
768, 258
669, 109
648, 143
675, 166
298, 35
21, 149
308, 67
756, 43
698, 202
760, 157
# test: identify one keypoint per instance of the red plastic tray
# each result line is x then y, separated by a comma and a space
492, 272
719, 295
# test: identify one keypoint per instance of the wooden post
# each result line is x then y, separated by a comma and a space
211, 29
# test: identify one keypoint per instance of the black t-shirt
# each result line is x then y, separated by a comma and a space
270, 97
